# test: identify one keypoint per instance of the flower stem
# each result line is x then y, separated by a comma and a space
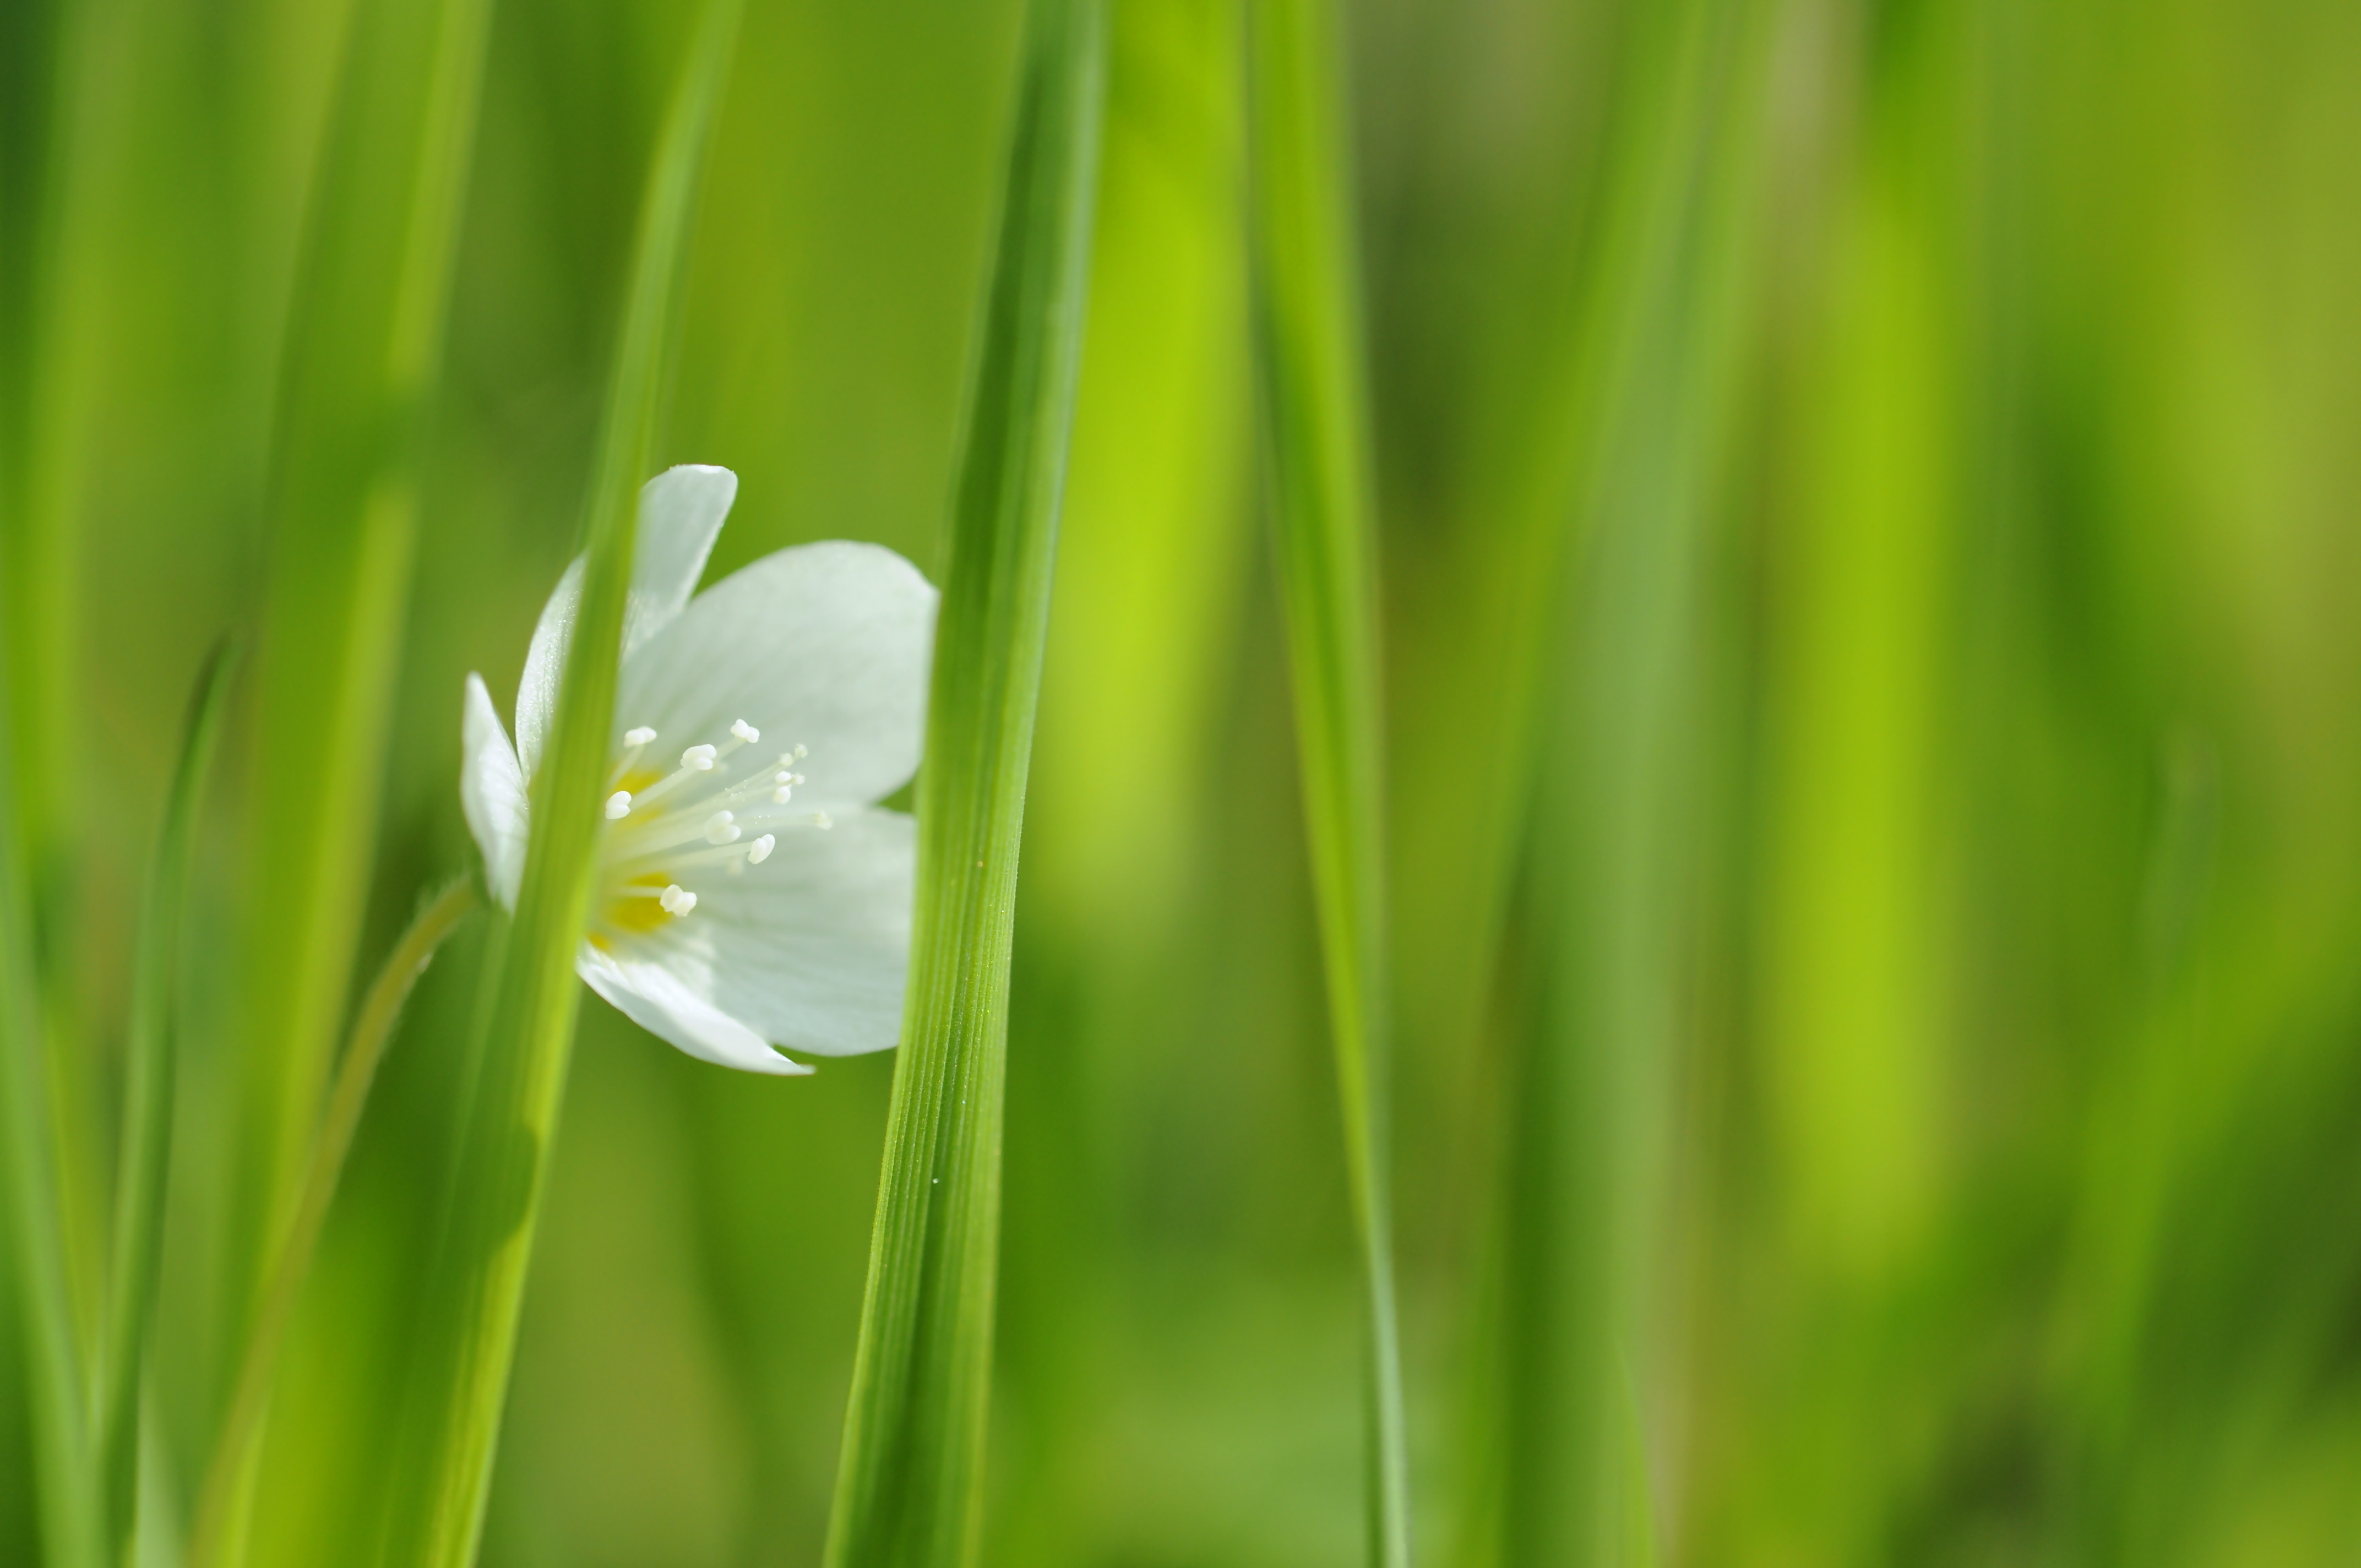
221, 1508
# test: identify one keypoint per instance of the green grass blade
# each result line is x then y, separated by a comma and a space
145, 1156
364, 339
909, 1486
469, 1311
1306, 309
66, 1485
1617, 797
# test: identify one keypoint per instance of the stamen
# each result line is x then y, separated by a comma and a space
821, 819
638, 737
619, 805
744, 731
801, 754
676, 900
719, 829
760, 851
697, 757
785, 793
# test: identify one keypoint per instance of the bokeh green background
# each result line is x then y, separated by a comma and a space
2012, 1207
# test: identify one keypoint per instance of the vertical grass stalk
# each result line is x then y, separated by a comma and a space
1616, 798
364, 339
909, 1486
145, 1152
1312, 381
468, 1312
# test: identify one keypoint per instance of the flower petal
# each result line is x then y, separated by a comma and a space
826, 646
659, 1001
812, 946
681, 511
491, 792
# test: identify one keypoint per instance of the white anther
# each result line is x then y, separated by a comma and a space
801, 754
619, 805
783, 793
638, 737
820, 819
760, 851
697, 757
744, 731
721, 828
783, 776
799, 779
676, 900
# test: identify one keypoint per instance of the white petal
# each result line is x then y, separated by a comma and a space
681, 511
824, 646
491, 792
659, 1001
812, 946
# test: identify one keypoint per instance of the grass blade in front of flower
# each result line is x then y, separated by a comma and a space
1306, 311
363, 342
145, 1154
468, 1312
67, 1484
909, 1486
1616, 794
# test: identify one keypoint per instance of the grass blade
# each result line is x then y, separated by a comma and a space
66, 1484
909, 1486
364, 339
469, 1313
147, 1140
1616, 790
1306, 311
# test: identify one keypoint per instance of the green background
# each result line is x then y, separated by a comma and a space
2010, 1205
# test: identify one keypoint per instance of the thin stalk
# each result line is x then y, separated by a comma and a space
476, 1286
909, 1486
364, 343
147, 1142
1309, 359
222, 1502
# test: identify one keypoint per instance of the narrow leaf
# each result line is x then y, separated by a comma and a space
909, 1486
469, 1310
150, 1068
364, 339
1312, 378
1616, 790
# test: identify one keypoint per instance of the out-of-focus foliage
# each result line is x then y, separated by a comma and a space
2005, 1207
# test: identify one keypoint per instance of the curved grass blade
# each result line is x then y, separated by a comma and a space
1313, 392
146, 1141
364, 339
66, 1485
223, 1501
468, 1315
909, 1486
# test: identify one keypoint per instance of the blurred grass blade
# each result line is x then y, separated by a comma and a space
66, 1484
364, 339
909, 1486
1306, 310
223, 1501
145, 1156
1616, 791
468, 1313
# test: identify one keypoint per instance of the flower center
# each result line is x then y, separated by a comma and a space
670, 830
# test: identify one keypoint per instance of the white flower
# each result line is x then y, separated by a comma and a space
749, 889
